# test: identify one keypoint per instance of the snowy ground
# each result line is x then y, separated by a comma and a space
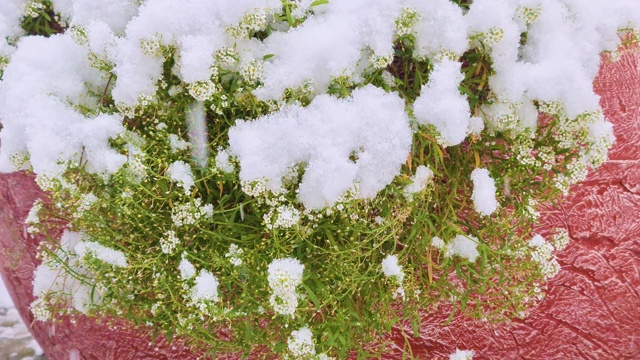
15, 340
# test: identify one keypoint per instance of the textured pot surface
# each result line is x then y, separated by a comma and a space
592, 308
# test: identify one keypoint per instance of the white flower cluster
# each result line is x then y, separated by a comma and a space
84, 204
284, 276
234, 254
282, 217
136, 167
406, 20
561, 239
32, 216
252, 72
33, 9
40, 310
190, 213
531, 208
301, 344
542, 253
202, 90
169, 242
255, 188
253, 21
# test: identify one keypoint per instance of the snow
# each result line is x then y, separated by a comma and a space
463, 246
101, 252
5, 299
390, 267
14, 333
187, 270
484, 192
441, 104
206, 287
419, 181
340, 37
180, 172
37, 118
371, 124
10, 15
440, 28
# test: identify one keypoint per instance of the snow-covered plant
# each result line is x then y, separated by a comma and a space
253, 167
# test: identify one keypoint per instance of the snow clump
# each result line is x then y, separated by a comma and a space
464, 247
371, 124
484, 192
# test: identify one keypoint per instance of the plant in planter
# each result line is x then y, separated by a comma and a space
302, 175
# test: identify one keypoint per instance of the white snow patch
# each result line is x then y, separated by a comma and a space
484, 192
441, 104
371, 125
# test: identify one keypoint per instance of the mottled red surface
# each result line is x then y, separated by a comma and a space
592, 308
88, 338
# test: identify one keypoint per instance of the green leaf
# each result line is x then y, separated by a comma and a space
319, 2
312, 296
416, 327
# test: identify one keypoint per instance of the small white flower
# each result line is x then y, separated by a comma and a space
169, 241
234, 254
284, 276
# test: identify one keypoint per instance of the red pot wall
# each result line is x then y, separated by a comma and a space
592, 306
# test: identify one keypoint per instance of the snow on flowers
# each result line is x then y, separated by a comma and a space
228, 162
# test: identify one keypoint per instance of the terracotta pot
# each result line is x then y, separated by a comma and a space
592, 306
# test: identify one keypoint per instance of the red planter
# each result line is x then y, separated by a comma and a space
592, 308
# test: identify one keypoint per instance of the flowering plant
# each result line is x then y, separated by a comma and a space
301, 175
